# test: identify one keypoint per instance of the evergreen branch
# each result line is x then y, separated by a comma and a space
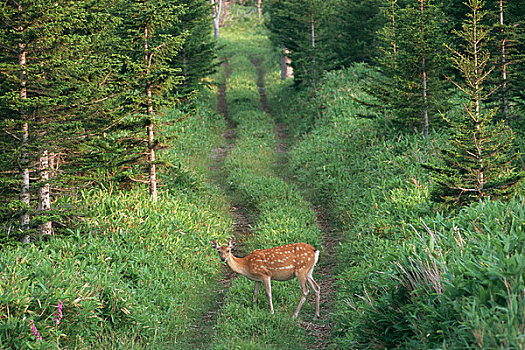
11, 134
456, 84
138, 180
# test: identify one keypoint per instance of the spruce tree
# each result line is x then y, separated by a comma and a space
301, 28
145, 49
50, 84
197, 56
353, 26
477, 161
411, 63
509, 57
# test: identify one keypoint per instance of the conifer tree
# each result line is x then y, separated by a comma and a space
354, 25
145, 48
477, 162
411, 63
509, 55
49, 89
301, 28
197, 56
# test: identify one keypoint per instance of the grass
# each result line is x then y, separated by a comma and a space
409, 274
133, 274
280, 214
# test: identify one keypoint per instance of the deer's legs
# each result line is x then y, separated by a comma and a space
317, 291
304, 293
256, 291
268, 287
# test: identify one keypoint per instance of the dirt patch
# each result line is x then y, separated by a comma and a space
222, 103
242, 226
256, 61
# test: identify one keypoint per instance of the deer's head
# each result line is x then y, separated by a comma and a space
225, 251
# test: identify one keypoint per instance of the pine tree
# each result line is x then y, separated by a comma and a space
509, 55
301, 28
145, 48
49, 90
477, 162
197, 56
353, 26
411, 64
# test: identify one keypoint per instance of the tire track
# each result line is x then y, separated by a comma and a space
321, 330
203, 330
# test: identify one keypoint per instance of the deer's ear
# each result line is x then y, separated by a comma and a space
232, 242
214, 244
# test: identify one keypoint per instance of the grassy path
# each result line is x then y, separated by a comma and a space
319, 330
267, 209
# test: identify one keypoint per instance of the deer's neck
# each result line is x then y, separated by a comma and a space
237, 265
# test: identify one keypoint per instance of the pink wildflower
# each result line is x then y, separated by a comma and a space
58, 315
35, 331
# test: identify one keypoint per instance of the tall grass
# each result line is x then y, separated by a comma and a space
133, 274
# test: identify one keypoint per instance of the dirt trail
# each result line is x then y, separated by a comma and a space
321, 329
203, 330
241, 222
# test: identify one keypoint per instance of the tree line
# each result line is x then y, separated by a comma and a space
83, 85
437, 64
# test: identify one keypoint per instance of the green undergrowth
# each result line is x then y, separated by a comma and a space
133, 274
410, 276
280, 215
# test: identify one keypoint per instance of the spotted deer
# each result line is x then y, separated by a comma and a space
278, 263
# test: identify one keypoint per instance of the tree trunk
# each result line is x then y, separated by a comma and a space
394, 44
425, 99
149, 127
283, 67
314, 71
424, 77
151, 160
259, 10
24, 161
477, 102
217, 17
286, 68
504, 101
24, 193
44, 205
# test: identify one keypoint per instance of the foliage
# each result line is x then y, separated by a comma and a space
52, 98
477, 161
457, 283
353, 26
409, 277
301, 28
197, 56
82, 92
411, 62
511, 34
133, 272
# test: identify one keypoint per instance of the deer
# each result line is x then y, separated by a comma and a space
280, 263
